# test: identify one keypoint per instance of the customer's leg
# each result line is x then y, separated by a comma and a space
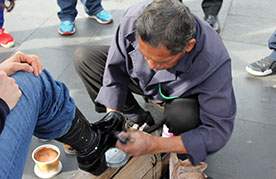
45, 109
68, 10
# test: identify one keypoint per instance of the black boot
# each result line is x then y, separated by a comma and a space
91, 141
135, 113
80, 136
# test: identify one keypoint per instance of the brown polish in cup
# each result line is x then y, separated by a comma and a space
45, 154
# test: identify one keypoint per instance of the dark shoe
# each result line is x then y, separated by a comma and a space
136, 114
91, 141
263, 67
213, 22
94, 161
140, 119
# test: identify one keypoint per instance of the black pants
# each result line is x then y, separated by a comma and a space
211, 7
180, 114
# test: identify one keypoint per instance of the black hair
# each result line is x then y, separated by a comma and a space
166, 22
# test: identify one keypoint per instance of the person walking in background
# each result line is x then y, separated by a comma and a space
68, 13
211, 9
266, 65
6, 40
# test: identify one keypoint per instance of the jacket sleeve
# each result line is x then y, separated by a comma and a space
4, 111
217, 113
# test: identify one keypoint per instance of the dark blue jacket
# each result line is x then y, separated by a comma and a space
205, 71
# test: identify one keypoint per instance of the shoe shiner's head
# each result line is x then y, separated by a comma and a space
165, 32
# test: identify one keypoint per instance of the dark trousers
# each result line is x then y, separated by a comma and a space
68, 10
180, 114
211, 7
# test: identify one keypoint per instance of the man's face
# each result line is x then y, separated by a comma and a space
158, 58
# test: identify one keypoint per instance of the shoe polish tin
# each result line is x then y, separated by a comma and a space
115, 158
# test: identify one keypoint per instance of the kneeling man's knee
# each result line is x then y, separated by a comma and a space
182, 115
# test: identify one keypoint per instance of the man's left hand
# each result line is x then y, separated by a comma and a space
140, 143
20, 61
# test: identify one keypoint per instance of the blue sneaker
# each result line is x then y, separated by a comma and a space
103, 17
66, 27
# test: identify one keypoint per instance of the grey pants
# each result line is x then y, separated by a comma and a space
210, 7
180, 114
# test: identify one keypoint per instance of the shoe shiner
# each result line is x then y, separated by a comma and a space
163, 52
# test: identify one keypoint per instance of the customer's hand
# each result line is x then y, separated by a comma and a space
9, 90
20, 61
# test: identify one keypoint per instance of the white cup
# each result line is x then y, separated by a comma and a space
46, 158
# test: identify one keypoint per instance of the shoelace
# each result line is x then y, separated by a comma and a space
66, 22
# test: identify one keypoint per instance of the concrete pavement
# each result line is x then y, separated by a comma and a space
246, 27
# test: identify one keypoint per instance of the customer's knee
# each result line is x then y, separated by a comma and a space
182, 115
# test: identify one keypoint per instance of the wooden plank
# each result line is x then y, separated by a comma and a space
138, 167
143, 167
155, 172
165, 162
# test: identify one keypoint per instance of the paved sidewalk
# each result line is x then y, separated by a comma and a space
246, 27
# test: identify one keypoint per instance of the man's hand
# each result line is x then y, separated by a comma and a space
20, 61
9, 90
140, 143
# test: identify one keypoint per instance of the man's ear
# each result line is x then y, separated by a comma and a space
190, 45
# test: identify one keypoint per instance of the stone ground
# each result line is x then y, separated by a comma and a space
246, 27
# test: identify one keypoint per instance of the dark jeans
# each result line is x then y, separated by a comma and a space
180, 114
69, 12
211, 7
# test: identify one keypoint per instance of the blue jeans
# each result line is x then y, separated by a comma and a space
45, 110
1, 14
69, 11
272, 45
